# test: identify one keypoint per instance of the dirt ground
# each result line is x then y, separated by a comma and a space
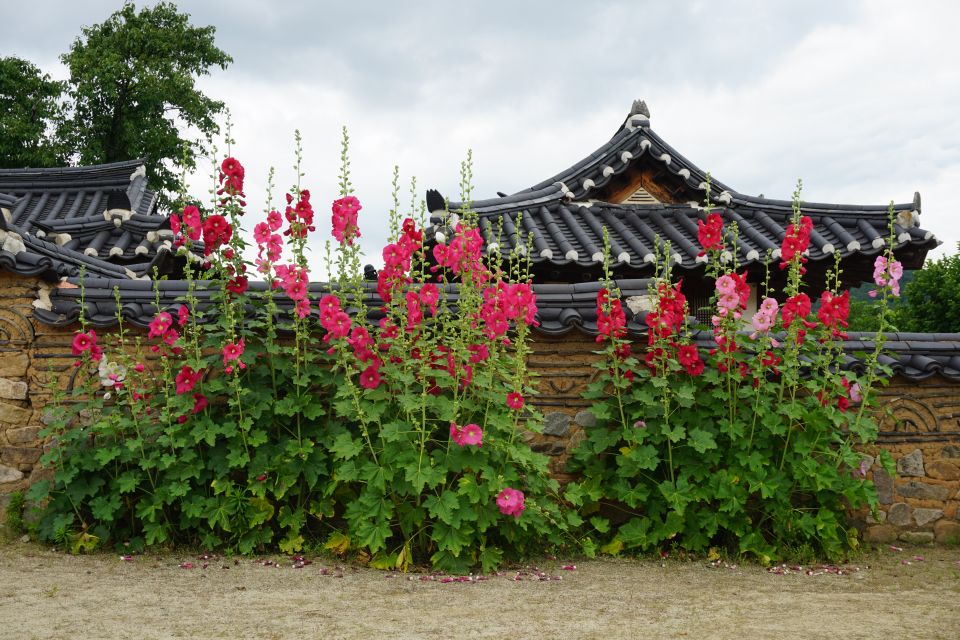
908, 593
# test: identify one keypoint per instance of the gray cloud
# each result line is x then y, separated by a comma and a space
857, 98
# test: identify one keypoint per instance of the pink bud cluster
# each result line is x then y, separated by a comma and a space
397, 259
269, 242
299, 215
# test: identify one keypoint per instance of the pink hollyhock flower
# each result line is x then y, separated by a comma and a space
231, 167
262, 233
478, 353
370, 377
510, 502
187, 379
344, 219
191, 218
274, 220
726, 285
515, 401
183, 314
199, 402
160, 324
170, 337
139, 367
640, 424
430, 296
471, 434
233, 351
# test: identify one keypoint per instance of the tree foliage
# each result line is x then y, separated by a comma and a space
931, 301
30, 109
133, 89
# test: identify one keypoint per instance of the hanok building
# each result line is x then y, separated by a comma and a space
642, 190
101, 222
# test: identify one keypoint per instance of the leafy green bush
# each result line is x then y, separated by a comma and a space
273, 420
751, 449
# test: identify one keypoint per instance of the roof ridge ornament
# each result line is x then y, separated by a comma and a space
639, 108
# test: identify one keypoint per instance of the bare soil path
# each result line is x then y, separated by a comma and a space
46, 594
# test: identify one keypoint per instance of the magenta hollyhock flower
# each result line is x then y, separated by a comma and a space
511, 502
370, 377
515, 401
160, 324
232, 351
83, 342
199, 402
456, 434
183, 314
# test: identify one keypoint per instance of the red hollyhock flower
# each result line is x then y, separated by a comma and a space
710, 234
187, 379
515, 401
796, 307
199, 402
216, 231
796, 241
834, 309
238, 285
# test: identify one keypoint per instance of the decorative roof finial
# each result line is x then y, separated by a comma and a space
639, 108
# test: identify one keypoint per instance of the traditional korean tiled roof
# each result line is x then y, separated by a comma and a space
100, 217
561, 308
563, 216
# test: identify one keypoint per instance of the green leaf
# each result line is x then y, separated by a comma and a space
600, 524
345, 447
701, 441
444, 507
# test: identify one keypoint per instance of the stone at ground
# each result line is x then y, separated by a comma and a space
880, 533
911, 464
556, 424
899, 514
917, 537
13, 389
14, 415
947, 532
926, 516
881, 517
923, 491
587, 420
23, 435
943, 470
9, 474
884, 484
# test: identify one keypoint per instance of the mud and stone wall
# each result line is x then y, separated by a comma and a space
922, 430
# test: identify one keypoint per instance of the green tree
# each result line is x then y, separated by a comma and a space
133, 86
31, 107
931, 302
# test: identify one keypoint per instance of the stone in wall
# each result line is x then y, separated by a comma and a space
13, 389
926, 516
943, 470
556, 424
884, 484
585, 419
9, 474
14, 415
917, 537
14, 365
911, 464
24, 435
899, 514
923, 491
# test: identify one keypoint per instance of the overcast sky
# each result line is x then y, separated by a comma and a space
859, 99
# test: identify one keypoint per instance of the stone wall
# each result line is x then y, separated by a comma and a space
922, 432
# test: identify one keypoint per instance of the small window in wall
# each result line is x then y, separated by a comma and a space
640, 196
